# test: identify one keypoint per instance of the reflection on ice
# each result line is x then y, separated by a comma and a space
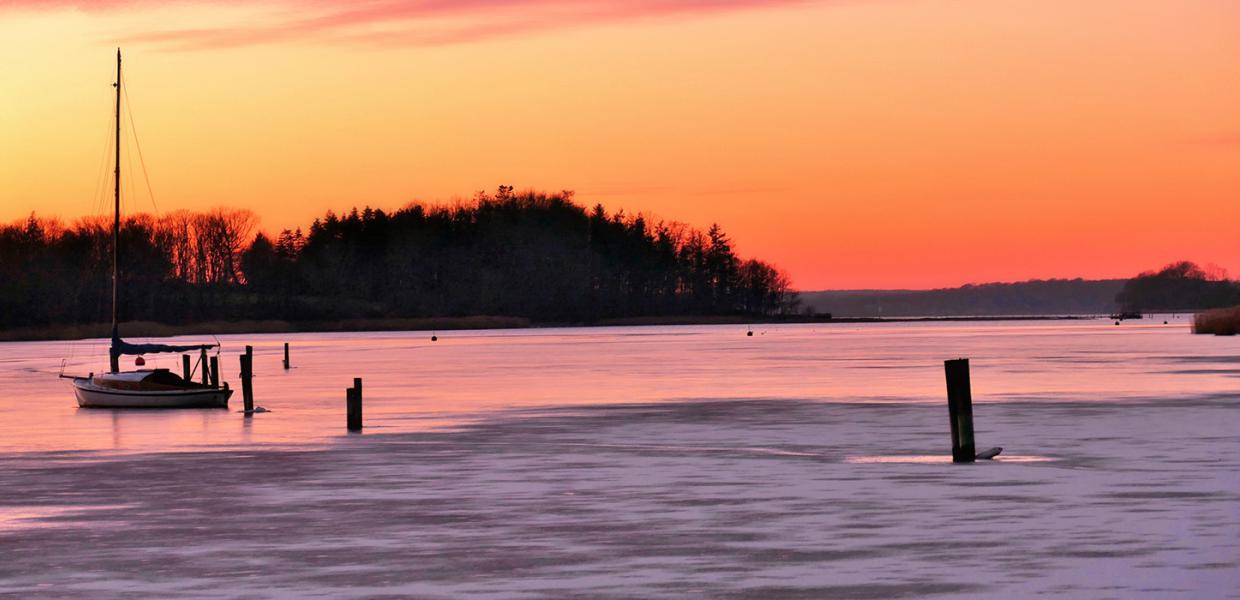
13, 518
943, 459
773, 499
414, 385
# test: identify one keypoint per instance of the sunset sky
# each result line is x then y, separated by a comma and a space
854, 143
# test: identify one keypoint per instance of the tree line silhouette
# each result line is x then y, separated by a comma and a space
534, 255
1179, 286
1034, 297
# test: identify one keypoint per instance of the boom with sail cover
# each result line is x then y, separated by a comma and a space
121, 347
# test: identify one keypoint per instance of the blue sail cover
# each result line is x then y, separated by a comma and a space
121, 347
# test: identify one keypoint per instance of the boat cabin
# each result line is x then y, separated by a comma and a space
146, 379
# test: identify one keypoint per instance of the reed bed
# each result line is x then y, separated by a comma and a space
1220, 321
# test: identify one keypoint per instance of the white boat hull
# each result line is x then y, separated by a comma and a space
90, 395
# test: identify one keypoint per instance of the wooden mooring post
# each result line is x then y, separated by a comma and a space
215, 371
353, 405
202, 362
247, 375
185, 370
285, 356
960, 407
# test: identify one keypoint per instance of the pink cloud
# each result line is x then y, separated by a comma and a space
401, 22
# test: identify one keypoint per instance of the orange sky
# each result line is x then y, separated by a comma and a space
855, 143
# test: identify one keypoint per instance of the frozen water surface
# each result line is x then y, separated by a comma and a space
804, 462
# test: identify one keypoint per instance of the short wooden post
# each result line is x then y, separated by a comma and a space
185, 372
353, 406
215, 371
286, 356
247, 386
960, 407
202, 361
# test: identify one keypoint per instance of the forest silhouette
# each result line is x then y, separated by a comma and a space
533, 255
1181, 285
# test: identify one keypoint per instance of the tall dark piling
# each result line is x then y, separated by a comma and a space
285, 356
202, 362
960, 407
247, 376
215, 371
185, 371
353, 405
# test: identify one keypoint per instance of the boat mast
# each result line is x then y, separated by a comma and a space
114, 358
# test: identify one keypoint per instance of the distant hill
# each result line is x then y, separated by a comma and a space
1037, 297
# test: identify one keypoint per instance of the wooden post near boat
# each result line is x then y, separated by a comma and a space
202, 362
215, 371
353, 409
353, 405
185, 370
247, 384
247, 388
960, 407
285, 356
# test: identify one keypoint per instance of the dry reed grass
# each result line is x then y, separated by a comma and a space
1220, 321
152, 329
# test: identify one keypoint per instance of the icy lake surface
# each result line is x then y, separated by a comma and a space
807, 461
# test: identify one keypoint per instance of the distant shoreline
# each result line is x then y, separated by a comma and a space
152, 329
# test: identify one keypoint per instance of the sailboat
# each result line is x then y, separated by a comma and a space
143, 388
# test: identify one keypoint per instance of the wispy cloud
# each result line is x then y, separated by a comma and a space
397, 22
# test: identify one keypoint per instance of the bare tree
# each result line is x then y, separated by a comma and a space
220, 237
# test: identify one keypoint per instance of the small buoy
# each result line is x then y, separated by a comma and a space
1117, 322
1164, 322
434, 338
139, 361
749, 333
